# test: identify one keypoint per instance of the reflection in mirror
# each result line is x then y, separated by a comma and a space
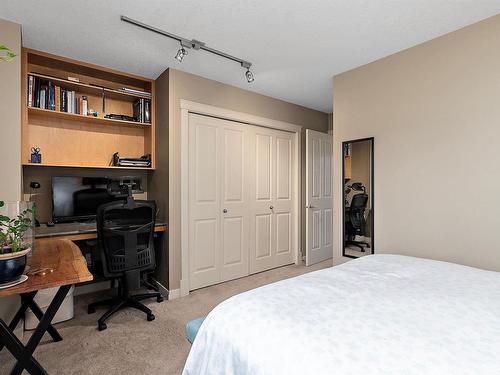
358, 192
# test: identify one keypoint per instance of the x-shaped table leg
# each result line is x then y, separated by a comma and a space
24, 354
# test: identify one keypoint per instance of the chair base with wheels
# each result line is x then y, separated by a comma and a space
358, 244
122, 301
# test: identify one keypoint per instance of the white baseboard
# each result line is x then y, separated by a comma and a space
174, 294
184, 291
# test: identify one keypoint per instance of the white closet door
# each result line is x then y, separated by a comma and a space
219, 213
241, 199
204, 201
283, 207
261, 232
234, 201
271, 233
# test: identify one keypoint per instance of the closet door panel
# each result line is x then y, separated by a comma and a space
235, 200
283, 205
262, 181
204, 201
284, 168
272, 231
263, 238
205, 245
284, 233
263, 163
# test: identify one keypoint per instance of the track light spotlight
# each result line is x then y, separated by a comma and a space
249, 76
180, 54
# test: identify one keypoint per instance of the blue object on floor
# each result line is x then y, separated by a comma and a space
192, 328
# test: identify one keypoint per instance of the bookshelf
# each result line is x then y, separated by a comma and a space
79, 139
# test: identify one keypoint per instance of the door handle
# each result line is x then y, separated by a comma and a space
271, 207
224, 210
310, 206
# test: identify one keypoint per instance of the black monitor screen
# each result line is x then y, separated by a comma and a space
77, 198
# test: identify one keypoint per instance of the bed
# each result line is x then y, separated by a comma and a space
379, 314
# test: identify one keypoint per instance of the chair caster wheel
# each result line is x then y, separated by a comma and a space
159, 299
90, 310
151, 317
101, 326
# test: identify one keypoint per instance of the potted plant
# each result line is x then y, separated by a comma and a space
14, 241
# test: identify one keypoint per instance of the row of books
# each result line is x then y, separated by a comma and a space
142, 110
44, 94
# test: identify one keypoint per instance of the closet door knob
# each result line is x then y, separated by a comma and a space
271, 207
224, 210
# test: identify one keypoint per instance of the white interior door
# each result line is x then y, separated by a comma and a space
272, 203
319, 198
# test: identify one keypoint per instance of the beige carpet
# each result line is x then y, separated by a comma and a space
132, 345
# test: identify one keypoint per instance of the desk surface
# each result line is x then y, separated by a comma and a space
77, 231
63, 256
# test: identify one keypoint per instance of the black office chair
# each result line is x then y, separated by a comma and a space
355, 221
125, 232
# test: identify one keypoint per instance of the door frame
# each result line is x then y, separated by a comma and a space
188, 107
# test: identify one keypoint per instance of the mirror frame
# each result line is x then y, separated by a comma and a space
372, 193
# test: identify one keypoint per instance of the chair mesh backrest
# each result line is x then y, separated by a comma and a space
126, 236
357, 210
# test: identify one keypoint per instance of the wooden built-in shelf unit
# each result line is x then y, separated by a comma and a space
76, 140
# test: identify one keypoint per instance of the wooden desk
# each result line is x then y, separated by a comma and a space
69, 267
63, 256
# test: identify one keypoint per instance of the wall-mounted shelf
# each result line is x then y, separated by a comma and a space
89, 119
89, 88
74, 140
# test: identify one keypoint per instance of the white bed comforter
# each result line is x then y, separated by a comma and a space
380, 314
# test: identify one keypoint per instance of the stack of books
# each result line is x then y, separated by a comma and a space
142, 110
46, 95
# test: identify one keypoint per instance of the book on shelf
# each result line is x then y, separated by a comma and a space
43, 93
64, 101
57, 102
142, 110
30, 90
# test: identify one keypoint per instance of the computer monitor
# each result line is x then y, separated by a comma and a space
77, 198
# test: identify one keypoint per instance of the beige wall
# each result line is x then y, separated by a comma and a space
10, 131
187, 86
434, 111
10, 114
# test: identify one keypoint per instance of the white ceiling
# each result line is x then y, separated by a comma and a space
296, 46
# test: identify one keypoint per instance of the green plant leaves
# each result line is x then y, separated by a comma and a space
6, 54
12, 230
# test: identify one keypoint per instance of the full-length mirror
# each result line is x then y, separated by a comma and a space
357, 182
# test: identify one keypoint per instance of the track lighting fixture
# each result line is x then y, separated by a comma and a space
194, 44
249, 76
180, 54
